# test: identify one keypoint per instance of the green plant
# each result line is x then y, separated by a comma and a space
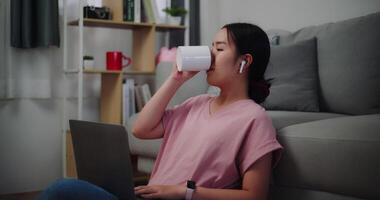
87, 57
175, 11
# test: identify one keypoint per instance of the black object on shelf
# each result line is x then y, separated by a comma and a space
96, 12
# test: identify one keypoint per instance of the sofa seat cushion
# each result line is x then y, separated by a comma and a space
283, 119
145, 164
339, 155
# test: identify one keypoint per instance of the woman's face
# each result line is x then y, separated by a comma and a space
225, 65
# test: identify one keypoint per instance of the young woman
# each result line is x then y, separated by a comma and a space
221, 147
223, 144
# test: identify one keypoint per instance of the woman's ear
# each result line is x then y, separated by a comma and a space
245, 62
248, 58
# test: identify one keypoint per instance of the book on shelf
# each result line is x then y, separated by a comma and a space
129, 10
128, 100
125, 101
137, 11
146, 93
148, 11
158, 6
143, 95
138, 98
132, 10
132, 98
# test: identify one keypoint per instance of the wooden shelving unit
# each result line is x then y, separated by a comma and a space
143, 39
97, 70
143, 56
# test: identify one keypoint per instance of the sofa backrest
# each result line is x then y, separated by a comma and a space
193, 87
348, 63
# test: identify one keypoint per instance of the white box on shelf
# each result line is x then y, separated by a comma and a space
88, 64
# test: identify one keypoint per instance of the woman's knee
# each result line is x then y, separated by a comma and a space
73, 189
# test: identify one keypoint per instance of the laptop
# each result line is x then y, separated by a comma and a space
102, 156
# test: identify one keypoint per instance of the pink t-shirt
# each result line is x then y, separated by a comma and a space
213, 150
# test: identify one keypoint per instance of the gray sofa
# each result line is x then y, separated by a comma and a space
332, 152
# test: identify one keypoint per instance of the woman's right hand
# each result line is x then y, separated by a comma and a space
181, 76
148, 123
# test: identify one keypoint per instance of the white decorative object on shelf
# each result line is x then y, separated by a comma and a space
174, 20
88, 62
175, 14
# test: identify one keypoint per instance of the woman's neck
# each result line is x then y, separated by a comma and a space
232, 92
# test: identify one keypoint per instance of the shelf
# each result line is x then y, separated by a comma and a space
166, 27
93, 71
125, 25
101, 71
136, 72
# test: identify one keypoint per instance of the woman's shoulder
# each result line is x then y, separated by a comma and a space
193, 101
254, 110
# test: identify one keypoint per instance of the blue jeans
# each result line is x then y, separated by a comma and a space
73, 189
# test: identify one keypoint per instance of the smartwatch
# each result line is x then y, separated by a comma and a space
191, 186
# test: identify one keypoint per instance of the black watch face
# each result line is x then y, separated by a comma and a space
191, 184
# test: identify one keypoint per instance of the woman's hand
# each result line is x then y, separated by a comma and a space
181, 76
148, 123
161, 191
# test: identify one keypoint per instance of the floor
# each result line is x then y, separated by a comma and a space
20, 196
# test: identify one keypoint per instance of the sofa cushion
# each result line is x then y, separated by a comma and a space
145, 164
283, 119
274, 35
147, 148
349, 63
339, 155
293, 75
193, 87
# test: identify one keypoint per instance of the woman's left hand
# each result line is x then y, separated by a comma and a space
161, 191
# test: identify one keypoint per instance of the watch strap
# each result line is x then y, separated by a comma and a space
189, 194
190, 188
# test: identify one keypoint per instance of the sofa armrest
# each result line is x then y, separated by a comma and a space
146, 148
339, 155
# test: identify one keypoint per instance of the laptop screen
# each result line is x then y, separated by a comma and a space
102, 156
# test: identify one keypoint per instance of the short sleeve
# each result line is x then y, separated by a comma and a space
260, 140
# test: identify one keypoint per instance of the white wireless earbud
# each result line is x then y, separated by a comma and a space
242, 66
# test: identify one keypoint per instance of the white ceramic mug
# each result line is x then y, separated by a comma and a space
193, 58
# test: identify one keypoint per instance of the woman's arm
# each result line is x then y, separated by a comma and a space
255, 186
147, 124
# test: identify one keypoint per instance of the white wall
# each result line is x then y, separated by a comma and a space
289, 15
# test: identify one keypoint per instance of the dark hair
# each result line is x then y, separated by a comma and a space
251, 39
